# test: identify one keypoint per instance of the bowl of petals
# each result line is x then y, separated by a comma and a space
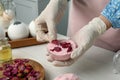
21, 69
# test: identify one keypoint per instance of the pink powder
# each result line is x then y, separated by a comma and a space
68, 76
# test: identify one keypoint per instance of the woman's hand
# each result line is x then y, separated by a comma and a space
47, 20
84, 38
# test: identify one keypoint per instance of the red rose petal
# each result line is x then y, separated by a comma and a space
65, 44
69, 49
56, 42
20, 69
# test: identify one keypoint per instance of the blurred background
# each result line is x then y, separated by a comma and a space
27, 10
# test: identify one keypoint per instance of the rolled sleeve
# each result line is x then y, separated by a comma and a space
112, 13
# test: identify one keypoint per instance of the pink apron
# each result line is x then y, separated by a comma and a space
81, 12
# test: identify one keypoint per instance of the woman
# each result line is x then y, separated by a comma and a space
82, 12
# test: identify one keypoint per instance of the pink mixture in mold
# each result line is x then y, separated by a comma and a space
67, 76
61, 49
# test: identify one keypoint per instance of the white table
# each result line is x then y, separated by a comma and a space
96, 64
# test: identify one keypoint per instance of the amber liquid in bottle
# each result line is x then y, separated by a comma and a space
5, 52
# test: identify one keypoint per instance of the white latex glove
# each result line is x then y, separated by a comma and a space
47, 20
84, 39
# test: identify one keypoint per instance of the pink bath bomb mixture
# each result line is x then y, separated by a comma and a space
61, 49
67, 76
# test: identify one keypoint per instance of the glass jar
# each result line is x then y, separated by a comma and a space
9, 7
116, 62
1, 8
9, 13
5, 51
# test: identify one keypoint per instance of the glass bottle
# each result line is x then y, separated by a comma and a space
9, 7
5, 51
116, 62
9, 12
1, 8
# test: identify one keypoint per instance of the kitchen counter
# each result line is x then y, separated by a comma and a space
95, 64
